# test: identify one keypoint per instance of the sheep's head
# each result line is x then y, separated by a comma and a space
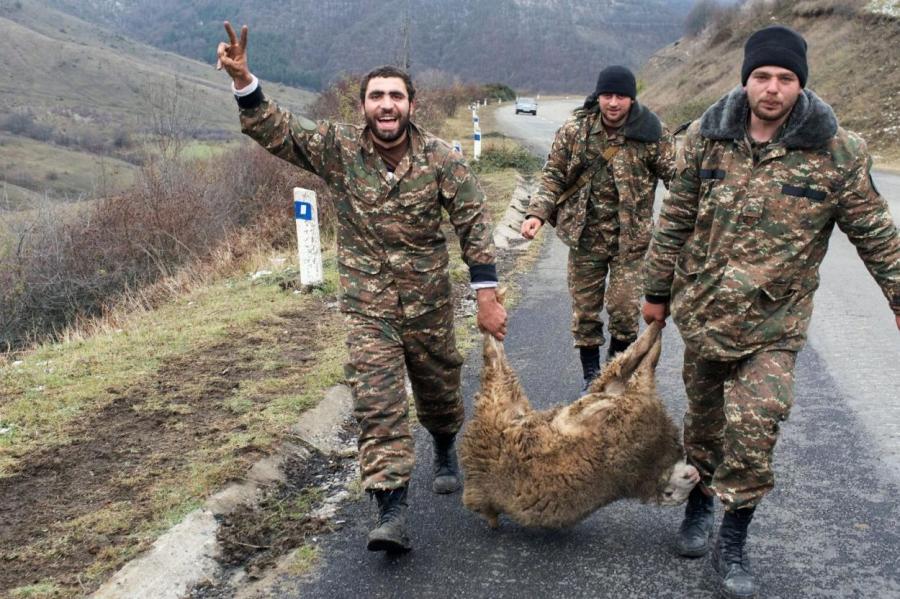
676, 484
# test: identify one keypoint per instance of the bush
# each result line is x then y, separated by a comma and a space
499, 91
26, 125
495, 158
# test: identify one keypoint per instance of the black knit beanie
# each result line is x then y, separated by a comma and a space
777, 46
616, 80
613, 80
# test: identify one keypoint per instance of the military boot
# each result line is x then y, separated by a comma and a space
697, 526
390, 534
446, 469
730, 559
590, 365
617, 346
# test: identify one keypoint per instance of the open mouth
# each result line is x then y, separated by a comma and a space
386, 121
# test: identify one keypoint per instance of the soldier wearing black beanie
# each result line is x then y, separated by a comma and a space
751, 170
777, 46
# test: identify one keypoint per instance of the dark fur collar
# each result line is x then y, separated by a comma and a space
642, 124
811, 123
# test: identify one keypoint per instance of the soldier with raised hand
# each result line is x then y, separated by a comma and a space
597, 189
391, 180
762, 179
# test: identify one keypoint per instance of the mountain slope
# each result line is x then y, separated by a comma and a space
70, 86
542, 45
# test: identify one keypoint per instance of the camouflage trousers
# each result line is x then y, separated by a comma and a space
381, 352
587, 272
735, 410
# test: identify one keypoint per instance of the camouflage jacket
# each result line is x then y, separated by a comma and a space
646, 153
392, 254
739, 244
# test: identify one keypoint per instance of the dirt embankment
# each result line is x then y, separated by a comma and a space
853, 64
70, 513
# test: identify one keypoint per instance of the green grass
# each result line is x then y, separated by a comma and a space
303, 560
40, 590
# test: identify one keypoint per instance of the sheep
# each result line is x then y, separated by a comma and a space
553, 468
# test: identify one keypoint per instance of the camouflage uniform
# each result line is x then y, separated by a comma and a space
738, 249
606, 224
392, 261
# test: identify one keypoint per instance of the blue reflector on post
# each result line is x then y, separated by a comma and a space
302, 210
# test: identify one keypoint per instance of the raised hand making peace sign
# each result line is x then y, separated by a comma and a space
233, 57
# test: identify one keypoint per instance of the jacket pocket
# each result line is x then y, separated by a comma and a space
426, 284
772, 315
361, 280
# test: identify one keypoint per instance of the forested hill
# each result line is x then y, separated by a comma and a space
853, 63
537, 45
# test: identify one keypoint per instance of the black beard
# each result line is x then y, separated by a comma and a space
387, 138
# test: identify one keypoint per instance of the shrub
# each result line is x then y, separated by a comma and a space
499, 91
494, 158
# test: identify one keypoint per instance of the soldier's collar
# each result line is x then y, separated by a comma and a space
811, 123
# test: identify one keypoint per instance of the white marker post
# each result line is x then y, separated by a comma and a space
476, 150
457, 146
309, 248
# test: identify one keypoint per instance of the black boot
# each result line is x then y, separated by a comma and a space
446, 469
617, 346
730, 559
390, 534
590, 365
697, 526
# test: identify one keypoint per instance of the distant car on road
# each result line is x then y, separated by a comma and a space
526, 105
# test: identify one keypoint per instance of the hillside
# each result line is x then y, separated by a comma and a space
541, 45
83, 99
852, 55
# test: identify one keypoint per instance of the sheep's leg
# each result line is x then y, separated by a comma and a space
643, 354
475, 501
498, 379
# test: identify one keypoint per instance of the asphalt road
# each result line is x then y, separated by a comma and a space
829, 529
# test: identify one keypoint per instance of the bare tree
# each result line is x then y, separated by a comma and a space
170, 117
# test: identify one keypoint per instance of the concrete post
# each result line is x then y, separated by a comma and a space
309, 247
476, 150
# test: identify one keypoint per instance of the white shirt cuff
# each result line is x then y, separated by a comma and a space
246, 91
484, 285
